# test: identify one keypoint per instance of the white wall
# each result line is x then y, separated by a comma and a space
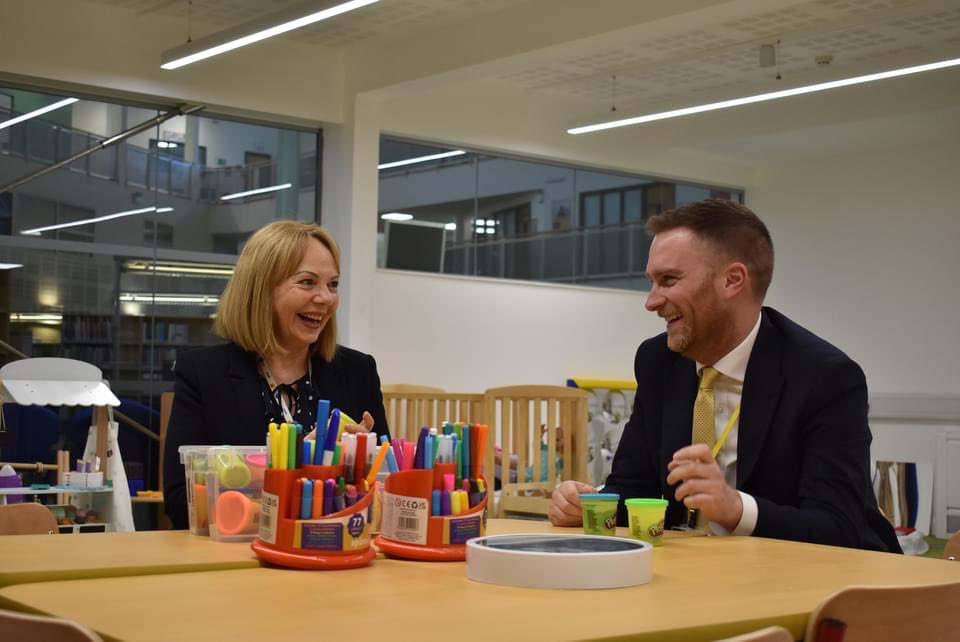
867, 257
468, 334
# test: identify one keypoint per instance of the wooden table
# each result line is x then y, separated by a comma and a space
43, 558
703, 588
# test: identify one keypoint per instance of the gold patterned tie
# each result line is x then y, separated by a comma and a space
704, 415
704, 423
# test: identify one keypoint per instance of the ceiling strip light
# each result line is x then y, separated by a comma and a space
38, 112
262, 190
252, 32
49, 318
396, 216
175, 268
10, 266
161, 299
773, 95
421, 159
59, 226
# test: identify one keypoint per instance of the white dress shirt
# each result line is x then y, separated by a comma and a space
727, 391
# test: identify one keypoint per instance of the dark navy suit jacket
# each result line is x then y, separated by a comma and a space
803, 447
217, 400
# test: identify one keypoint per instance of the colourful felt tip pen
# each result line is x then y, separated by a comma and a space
323, 413
316, 511
435, 504
306, 504
351, 495
292, 450
329, 489
427, 461
382, 454
391, 461
360, 462
284, 446
295, 500
331, 441
337, 454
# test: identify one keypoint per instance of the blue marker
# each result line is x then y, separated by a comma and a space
435, 503
306, 503
330, 444
307, 456
428, 452
323, 413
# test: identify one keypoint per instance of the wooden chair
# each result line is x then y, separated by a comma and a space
21, 627
769, 634
407, 411
27, 519
881, 613
525, 422
401, 388
952, 550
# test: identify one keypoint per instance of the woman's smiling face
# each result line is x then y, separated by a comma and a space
305, 301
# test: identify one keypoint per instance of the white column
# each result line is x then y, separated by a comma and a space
351, 152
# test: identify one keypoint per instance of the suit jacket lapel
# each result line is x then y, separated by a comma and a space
761, 392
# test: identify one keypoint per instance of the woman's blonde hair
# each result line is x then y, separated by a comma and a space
272, 254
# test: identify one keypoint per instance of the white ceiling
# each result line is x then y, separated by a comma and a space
709, 52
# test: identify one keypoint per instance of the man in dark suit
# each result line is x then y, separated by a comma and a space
788, 450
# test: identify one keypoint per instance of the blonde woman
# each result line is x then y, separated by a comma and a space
278, 314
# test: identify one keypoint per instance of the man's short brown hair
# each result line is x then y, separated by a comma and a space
732, 229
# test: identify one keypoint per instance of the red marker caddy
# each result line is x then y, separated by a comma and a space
408, 529
336, 541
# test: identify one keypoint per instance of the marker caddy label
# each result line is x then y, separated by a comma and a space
337, 540
409, 530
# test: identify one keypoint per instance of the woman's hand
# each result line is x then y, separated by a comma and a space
365, 425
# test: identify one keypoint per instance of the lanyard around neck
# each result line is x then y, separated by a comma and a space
726, 431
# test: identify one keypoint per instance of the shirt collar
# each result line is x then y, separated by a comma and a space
734, 363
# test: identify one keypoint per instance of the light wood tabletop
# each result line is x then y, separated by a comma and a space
703, 588
42, 558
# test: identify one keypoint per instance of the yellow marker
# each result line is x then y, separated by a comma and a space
284, 446
274, 432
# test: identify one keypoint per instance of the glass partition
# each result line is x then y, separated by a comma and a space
119, 258
524, 219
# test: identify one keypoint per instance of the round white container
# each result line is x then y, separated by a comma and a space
559, 561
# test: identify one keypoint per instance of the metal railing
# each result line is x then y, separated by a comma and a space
586, 255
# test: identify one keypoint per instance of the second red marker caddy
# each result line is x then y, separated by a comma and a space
407, 528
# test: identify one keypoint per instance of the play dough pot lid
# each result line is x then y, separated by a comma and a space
559, 561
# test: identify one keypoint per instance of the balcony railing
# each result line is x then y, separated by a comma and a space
583, 256
43, 141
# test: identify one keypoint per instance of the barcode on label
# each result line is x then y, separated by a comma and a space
405, 518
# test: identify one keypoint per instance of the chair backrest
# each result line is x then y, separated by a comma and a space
952, 550
407, 411
27, 519
21, 627
871, 613
408, 387
524, 423
769, 634
32, 434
